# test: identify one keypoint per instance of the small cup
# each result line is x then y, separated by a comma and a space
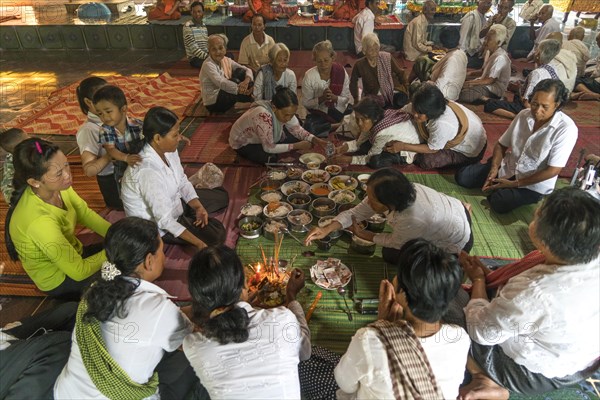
325, 243
313, 165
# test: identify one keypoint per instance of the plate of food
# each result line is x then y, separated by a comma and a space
251, 210
277, 210
294, 173
292, 187
333, 169
313, 176
312, 157
343, 196
342, 182
330, 274
307, 14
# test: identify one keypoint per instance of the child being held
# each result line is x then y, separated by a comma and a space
9, 139
120, 134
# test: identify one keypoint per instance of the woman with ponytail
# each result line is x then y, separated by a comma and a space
40, 224
159, 190
238, 351
127, 330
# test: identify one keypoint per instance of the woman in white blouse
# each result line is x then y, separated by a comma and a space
274, 74
451, 134
238, 351
127, 329
259, 134
325, 91
427, 280
540, 332
540, 140
223, 81
375, 128
492, 80
158, 189
412, 210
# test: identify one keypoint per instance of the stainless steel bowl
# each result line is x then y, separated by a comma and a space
250, 233
271, 235
306, 8
322, 224
295, 224
362, 246
302, 199
376, 223
326, 207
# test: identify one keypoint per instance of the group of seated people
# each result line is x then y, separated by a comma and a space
117, 351
122, 339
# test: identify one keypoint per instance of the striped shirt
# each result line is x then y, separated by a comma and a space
195, 39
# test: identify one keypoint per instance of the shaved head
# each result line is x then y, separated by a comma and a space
577, 33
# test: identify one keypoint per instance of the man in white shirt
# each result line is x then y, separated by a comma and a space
540, 332
364, 22
493, 79
549, 25
449, 73
364, 371
540, 139
254, 50
415, 42
504, 8
575, 44
470, 26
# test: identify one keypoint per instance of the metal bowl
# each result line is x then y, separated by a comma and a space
362, 246
323, 222
325, 207
270, 223
296, 225
333, 169
250, 233
269, 185
223, 8
342, 196
320, 190
307, 8
376, 223
277, 175
300, 201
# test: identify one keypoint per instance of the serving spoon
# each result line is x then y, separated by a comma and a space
342, 292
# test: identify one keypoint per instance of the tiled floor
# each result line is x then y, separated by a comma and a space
28, 77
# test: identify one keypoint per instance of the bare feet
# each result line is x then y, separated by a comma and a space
482, 387
468, 207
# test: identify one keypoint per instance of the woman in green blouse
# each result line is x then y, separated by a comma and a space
40, 225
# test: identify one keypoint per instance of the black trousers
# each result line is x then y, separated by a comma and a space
110, 191
226, 100
256, 153
71, 289
502, 200
212, 234
29, 366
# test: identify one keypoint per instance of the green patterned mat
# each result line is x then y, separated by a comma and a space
494, 236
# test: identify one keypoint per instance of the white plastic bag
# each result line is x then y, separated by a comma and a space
207, 177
